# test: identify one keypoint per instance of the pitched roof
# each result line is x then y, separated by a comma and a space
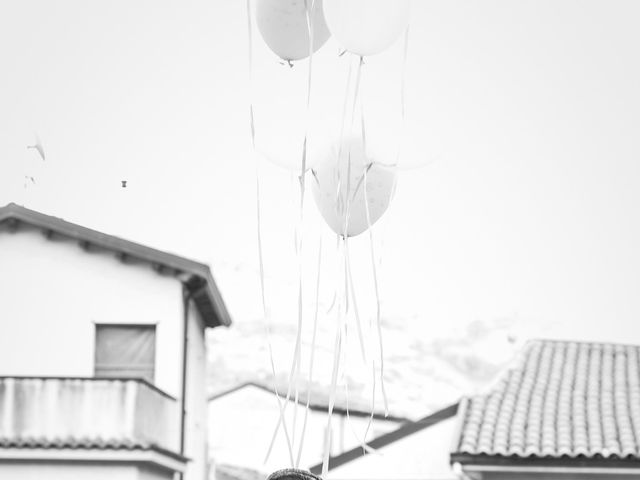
195, 276
403, 431
86, 444
561, 400
318, 401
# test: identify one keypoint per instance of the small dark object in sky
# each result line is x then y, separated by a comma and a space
124, 183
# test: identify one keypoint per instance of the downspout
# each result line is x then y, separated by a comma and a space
186, 300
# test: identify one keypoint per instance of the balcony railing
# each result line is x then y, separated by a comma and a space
87, 412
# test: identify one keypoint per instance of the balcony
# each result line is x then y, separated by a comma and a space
87, 413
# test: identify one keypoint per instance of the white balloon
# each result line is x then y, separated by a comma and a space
283, 26
338, 186
366, 27
280, 131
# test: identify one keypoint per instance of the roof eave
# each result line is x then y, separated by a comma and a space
500, 462
211, 305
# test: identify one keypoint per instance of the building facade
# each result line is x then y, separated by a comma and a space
253, 407
102, 354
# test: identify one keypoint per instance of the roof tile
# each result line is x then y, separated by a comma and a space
561, 399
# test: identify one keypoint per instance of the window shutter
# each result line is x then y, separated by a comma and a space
125, 351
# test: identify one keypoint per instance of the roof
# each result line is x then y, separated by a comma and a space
406, 429
562, 401
196, 277
86, 444
318, 403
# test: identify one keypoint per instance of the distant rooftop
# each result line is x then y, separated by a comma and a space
562, 401
318, 401
195, 276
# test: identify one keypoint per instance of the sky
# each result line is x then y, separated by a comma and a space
523, 117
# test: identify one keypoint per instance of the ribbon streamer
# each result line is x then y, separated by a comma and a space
259, 221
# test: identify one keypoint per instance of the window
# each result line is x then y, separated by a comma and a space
125, 351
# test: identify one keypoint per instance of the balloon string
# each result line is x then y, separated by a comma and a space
346, 363
283, 408
355, 303
259, 220
335, 289
303, 169
373, 408
364, 143
308, 14
297, 359
348, 189
356, 91
250, 70
378, 316
403, 88
366, 448
344, 111
293, 376
312, 354
373, 263
332, 393
346, 204
377, 292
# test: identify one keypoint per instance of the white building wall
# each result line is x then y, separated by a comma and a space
196, 418
421, 456
241, 425
52, 293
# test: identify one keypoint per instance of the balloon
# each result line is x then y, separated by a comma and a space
280, 132
338, 186
366, 27
283, 26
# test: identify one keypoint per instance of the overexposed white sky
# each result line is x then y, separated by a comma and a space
527, 113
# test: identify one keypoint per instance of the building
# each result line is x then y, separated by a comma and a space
242, 421
416, 450
565, 411
102, 354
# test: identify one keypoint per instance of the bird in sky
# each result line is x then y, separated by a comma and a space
38, 146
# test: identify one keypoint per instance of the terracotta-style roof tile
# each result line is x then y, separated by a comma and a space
561, 399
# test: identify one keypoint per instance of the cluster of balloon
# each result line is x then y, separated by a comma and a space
352, 184
351, 190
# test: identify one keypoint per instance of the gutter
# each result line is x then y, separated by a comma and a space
470, 469
186, 299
